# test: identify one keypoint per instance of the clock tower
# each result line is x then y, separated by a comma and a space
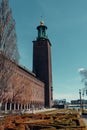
42, 65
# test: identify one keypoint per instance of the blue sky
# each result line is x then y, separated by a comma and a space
67, 30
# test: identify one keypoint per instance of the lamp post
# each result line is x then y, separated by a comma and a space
80, 98
81, 105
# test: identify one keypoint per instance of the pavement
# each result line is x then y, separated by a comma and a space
84, 117
37, 111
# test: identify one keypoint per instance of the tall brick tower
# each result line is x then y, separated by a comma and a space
42, 66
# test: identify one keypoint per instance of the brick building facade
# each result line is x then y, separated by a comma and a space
42, 65
22, 90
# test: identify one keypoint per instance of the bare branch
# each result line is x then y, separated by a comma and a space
8, 39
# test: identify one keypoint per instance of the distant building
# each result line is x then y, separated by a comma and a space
78, 101
77, 104
59, 103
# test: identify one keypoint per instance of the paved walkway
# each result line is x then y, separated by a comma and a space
85, 120
37, 111
84, 117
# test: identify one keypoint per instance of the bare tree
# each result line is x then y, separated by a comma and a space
6, 71
83, 73
8, 48
9, 90
8, 40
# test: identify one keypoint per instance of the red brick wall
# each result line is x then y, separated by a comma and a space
23, 86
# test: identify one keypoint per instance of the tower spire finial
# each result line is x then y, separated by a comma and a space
41, 17
41, 22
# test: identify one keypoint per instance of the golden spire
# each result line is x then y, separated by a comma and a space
41, 22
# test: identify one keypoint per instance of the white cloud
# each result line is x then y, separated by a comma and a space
81, 69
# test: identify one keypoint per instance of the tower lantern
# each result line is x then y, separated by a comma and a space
42, 31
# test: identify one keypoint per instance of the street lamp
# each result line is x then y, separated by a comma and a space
80, 98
